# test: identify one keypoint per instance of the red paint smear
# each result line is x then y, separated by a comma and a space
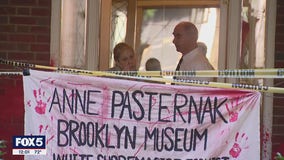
29, 103
40, 128
35, 94
49, 139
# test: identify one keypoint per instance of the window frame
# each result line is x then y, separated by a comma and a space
142, 4
92, 33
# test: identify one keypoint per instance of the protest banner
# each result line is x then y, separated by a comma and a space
100, 118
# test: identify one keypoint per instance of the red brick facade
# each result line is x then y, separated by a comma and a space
278, 107
25, 30
24, 36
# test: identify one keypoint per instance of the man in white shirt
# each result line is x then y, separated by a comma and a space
193, 58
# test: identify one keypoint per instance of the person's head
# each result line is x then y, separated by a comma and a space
203, 47
185, 37
153, 64
124, 57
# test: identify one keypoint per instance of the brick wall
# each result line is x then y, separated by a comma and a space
25, 30
278, 110
24, 36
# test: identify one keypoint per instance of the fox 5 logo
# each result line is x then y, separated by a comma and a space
29, 142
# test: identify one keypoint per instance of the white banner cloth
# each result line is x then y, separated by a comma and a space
96, 118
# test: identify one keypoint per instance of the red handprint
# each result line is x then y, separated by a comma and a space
234, 113
41, 101
238, 145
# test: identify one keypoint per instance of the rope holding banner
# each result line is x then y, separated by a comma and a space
228, 73
157, 76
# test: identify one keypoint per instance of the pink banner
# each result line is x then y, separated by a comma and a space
95, 118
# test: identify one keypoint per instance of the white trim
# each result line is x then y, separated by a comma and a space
55, 32
222, 37
92, 34
233, 41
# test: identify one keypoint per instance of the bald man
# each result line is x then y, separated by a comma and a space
193, 58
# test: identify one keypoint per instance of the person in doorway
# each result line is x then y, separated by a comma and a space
124, 57
193, 59
203, 47
153, 64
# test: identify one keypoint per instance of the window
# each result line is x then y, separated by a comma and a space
81, 28
74, 37
157, 27
73, 29
118, 25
